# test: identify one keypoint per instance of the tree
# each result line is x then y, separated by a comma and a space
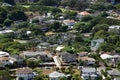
12, 2
62, 78
100, 34
3, 14
70, 14
106, 47
76, 77
104, 14
35, 29
7, 22
100, 7
21, 78
21, 25
99, 27
4, 75
81, 5
86, 18
82, 27
49, 2
64, 28
32, 63
68, 49
55, 26
17, 15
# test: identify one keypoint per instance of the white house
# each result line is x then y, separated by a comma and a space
24, 73
4, 59
69, 23
3, 54
56, 75
6, 31
115, 29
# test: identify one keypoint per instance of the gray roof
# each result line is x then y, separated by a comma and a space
32, 53
114, 72
88, 70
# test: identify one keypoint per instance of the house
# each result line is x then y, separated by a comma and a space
56, 75
115, 29
88, 60
43, 45
111, 59
107, 56
82, 14
82, 54
24, 73
16, 58
96, 43
69, 23
4, 61
68, 57
4, 54
113, 72
88, 73
6, 31
59, 48
44, 56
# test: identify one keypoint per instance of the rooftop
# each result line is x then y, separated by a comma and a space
114, 72
87, 58
24, 70
113, 27
84, 13
56, 74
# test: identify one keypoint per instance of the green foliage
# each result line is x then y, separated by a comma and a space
99, 27
102, 20
55, 26
86, 18
3, 14
49, 2
17, 15
100, 34
35, 29
104, 14
8, 22
82, 27
21, 78
117, 6
33, 63
4, 75
106, 47
12, 2
21, 25
70, 14
76, 77
1, 25
68, 49
100, 7
38, 70
62, 78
